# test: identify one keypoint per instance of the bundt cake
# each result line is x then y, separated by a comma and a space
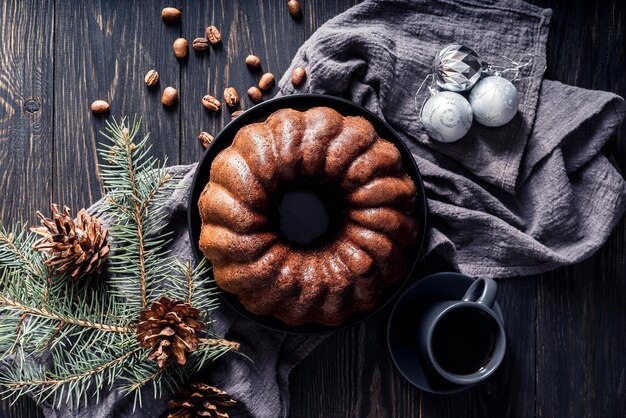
333, 181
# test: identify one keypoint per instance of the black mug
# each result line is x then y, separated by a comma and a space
464, 341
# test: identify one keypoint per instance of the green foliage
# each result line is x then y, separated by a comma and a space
63, 342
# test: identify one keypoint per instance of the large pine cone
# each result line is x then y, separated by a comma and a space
78, 247
199, 400
170, 328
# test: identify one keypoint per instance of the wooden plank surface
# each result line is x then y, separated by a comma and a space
26, 98
581, 314
244, 28
103, 50
26, 121
566, 328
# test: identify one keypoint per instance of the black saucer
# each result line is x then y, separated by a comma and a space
402, 335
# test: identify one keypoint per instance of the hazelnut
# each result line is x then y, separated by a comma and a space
266, 81
255, 94
298, 76
169, 97
170, 14
295, 10
181, 48
253, 62
99, 107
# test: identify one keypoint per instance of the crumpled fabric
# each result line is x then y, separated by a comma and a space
516, 200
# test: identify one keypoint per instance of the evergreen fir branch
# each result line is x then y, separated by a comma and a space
192, 284
66, 340
210, 349
43, 385
16, 250
44, 313
10, 332
135, 183
188, 269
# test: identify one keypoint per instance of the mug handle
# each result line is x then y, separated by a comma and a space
482, 291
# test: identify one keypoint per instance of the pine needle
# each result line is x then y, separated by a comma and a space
63, 341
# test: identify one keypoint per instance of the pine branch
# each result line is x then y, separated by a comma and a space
144, 381
71, 378
44, 313
6, 240
138, 215
15, 250
135, 183
189, 274
193, 285
219, 342
148, 199
87, 330
18, 332
209, 350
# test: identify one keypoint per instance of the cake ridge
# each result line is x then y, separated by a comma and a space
323, 284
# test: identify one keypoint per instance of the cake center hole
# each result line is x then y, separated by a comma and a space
307, 217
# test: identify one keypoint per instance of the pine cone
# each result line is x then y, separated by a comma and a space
170, 328
199, 400
78, 247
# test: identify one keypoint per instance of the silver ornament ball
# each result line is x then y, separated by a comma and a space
494, 101
457, 68
446, 116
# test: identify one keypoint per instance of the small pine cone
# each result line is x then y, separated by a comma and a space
170, 328
199, 400
78, 247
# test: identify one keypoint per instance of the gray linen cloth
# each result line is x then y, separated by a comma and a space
515, 200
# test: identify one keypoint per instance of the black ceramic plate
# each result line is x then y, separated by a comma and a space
260, 112
402, 334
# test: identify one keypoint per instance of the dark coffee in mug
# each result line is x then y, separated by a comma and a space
463, 340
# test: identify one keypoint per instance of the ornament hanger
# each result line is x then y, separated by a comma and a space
515, 67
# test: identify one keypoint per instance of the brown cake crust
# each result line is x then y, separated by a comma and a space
299, 286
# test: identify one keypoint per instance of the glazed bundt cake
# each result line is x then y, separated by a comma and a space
284, 167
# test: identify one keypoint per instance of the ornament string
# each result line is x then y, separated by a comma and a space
418, 108
513, 66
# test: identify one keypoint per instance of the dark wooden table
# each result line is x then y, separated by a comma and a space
567, 328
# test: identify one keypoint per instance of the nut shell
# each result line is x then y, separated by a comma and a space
255, 94
211, 103
213, 35
169, 97
99, 107
170, 14
230, 96
295, 10
151, 78
205, 139
181, 48
253, 62
266, 82
298, 77
200, 44
235, 114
